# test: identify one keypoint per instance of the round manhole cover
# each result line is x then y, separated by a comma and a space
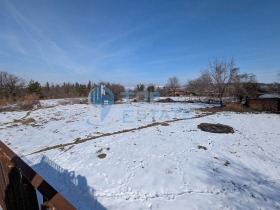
215, 128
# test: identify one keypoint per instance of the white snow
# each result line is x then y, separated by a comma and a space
156, 167
56, 102
272, 95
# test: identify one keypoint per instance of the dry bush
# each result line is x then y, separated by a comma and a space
29, 102
25, 121
31, 99
234, 105
28, 121
25, 106
26, 103
4, 102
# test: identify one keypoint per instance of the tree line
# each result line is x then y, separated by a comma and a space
13, 88
220, 78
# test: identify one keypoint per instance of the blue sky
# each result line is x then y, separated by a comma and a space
143, 41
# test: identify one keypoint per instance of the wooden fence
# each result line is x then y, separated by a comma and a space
18, 184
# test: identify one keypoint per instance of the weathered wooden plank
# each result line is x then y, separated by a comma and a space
18, 183
16, 193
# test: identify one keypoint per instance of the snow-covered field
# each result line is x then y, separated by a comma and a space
152, 159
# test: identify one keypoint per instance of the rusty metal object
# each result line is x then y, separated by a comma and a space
12, 165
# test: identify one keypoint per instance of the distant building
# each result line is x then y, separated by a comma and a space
180, 92
266, 102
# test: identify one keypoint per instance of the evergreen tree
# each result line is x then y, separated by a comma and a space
35, 88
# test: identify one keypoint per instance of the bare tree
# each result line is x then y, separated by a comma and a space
278, 76
162, 91
140, 87
273, 88
222, 74
200, 86
172, 84
116, 89
10, 85
246, 85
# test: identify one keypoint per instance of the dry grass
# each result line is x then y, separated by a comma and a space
67, 101
25, 121
79, 140
31, 99
21, 104
28, 121
5, 102
29, 102
164, 124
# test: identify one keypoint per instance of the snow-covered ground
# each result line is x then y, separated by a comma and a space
63, 101
197, 99
272, 95
150, 164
